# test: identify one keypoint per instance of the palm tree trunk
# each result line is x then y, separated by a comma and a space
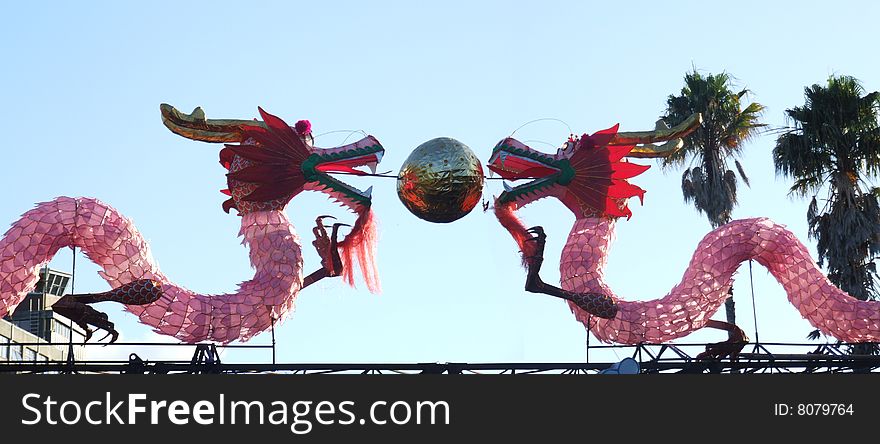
729, 304
730, 310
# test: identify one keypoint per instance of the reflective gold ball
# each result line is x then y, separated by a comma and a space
441, 180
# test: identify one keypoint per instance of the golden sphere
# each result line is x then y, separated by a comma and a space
441, 180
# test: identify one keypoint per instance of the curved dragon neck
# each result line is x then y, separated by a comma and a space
114, 244
259, 302
585, 255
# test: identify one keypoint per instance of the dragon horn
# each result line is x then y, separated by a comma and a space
196, 127
672, 137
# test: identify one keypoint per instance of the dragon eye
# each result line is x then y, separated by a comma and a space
565, 148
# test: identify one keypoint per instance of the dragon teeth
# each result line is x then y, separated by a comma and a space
491, 173
372, 166
369, 191
507, 186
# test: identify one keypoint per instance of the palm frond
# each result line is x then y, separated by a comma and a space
742, 172
727, 124
835, 142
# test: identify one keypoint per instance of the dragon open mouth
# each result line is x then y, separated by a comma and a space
513, 160
318, 167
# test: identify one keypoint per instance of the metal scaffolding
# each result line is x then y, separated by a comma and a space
652, 358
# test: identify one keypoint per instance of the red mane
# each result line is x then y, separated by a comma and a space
600, 174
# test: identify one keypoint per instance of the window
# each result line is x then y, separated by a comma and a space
57, 284
30, 354
54, 283
4, 348
15, 352
61, 329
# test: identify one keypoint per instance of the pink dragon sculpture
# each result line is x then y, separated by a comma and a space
269, 163
588, 175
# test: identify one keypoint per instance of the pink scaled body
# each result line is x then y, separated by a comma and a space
703, 288
111, 241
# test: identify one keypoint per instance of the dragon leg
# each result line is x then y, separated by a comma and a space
84, 315
327, 247
76, 308
596, 304
734, 344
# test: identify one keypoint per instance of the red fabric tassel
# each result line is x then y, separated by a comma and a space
510, 221
360, 245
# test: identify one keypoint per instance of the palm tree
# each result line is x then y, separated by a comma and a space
708, 183
835, 146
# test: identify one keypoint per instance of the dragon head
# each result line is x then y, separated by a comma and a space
275, 162
588, 174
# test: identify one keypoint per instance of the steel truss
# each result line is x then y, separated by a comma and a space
652, 358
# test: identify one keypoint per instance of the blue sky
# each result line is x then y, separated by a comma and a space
82, 84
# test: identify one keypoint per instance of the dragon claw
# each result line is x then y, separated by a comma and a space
336, 227
85, 316
334, 251
539, 234
327, 244
536, 255
111, 332
320, 230
730, 348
